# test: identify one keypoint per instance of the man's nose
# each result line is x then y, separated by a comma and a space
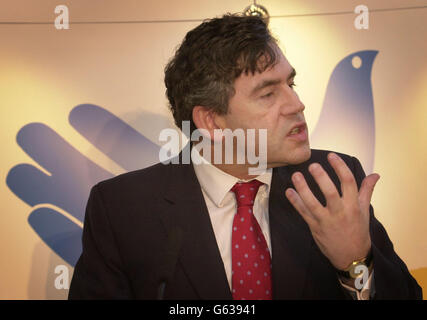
292, 103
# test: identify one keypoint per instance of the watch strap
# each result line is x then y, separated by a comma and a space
367, 261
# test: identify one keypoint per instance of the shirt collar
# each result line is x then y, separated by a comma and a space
217, 183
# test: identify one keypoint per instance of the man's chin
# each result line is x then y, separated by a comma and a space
296, 157
300, 156
305, 154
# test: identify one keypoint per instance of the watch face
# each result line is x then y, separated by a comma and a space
358, 269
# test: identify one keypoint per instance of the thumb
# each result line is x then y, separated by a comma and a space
366, 190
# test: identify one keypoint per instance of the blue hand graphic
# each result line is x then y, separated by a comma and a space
71, 173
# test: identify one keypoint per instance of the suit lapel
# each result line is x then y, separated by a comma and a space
291, 239
199, 255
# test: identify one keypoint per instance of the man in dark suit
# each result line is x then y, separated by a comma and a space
301, 229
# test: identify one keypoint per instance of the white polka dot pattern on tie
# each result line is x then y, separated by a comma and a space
251, 262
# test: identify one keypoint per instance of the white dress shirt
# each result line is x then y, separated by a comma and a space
222, 206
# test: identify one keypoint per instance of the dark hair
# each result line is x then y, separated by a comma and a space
211, 57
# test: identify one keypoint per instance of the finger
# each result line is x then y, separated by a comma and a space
333, 199
61, 234
34, 187
299, 205
46, 147
72, 174
26, 182
55, 154
346, 177
366, 190
310, 201
114, 137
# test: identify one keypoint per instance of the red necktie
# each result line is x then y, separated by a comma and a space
251, 262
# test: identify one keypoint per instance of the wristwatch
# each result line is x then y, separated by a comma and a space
350, 271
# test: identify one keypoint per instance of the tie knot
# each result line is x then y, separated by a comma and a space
246, 192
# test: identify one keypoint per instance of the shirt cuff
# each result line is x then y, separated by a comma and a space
364, 293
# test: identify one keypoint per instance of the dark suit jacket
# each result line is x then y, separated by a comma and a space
128, 219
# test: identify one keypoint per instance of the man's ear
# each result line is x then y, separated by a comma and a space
206, 118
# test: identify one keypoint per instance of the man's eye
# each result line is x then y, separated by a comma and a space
267, 95
292, 85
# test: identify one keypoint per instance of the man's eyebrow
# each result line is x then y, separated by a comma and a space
292, 74
271, 82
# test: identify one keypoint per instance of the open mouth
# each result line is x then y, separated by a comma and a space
299, 133
297, 130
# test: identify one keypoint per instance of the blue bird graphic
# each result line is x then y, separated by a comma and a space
347, 121
58, 199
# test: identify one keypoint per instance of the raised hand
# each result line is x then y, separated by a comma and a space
341, 228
